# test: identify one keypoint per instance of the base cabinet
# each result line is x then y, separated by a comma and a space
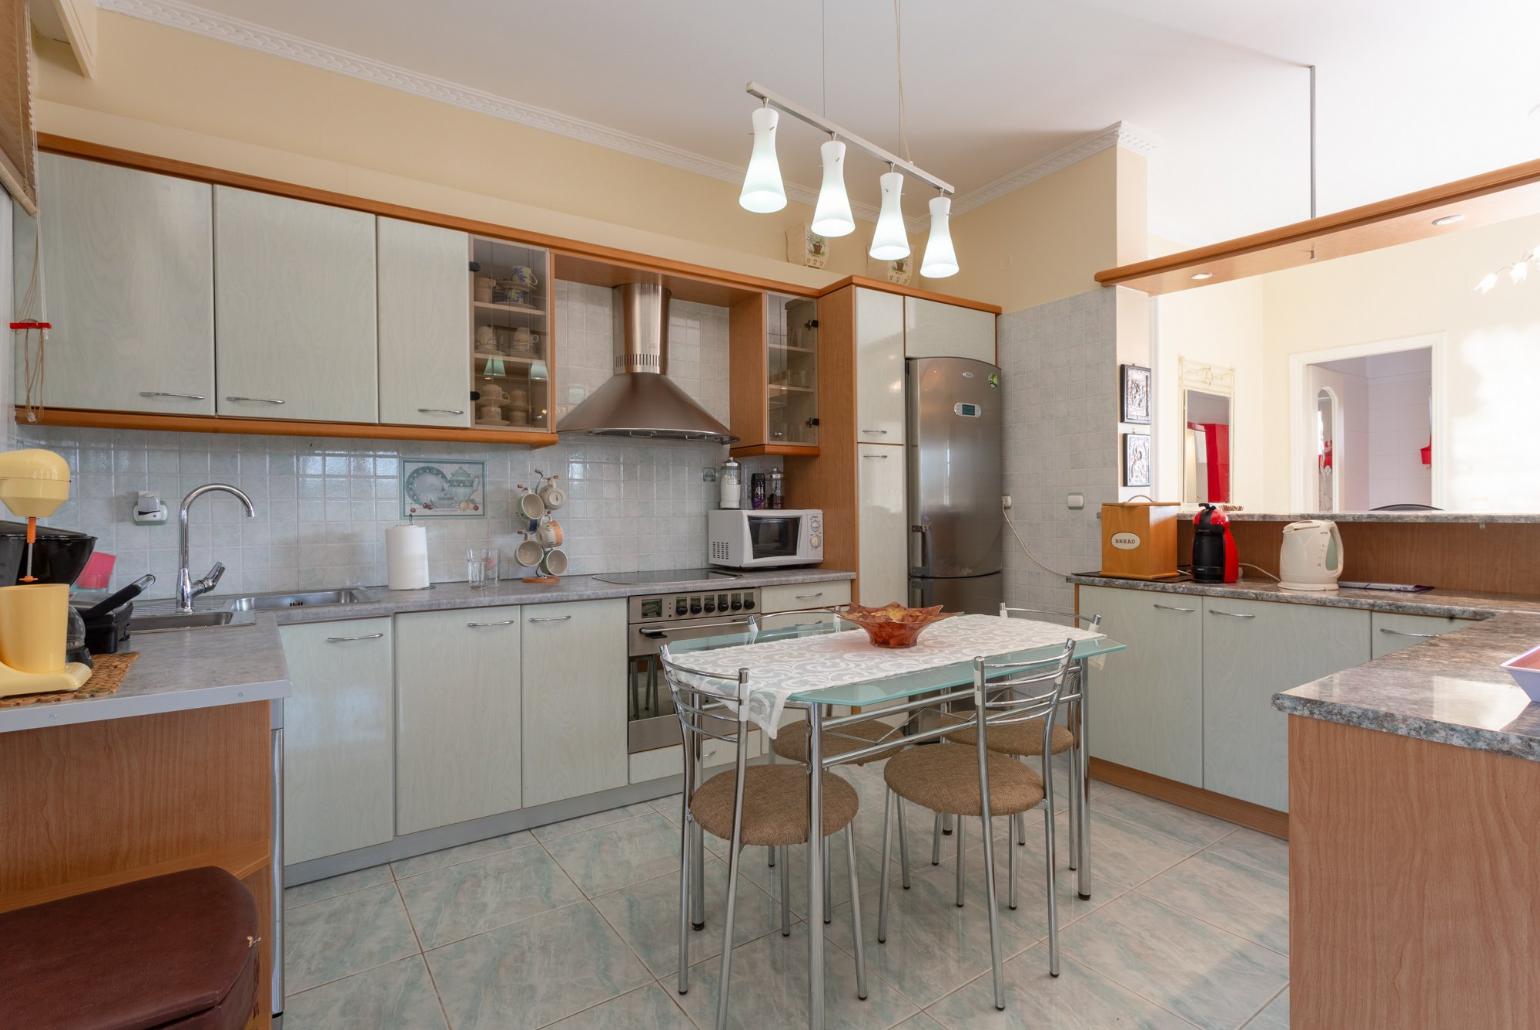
458, 715
574, 713
1392, 631
1251, 651
1146, 704
339, 754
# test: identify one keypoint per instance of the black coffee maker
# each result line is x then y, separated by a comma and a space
1209, 550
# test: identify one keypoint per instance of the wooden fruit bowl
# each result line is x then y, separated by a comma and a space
894, 625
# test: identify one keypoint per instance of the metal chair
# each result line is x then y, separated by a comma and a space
976, 781
762, 805
1026, 741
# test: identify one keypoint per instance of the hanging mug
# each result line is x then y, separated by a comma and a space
531, 506
528, 553
554, 563
550, 533
553, 497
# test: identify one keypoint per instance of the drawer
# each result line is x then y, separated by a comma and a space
791, 596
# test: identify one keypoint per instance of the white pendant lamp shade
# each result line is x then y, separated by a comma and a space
762, 189
832, 215
891, 240
940, 259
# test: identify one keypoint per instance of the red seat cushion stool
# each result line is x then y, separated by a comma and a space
171, 951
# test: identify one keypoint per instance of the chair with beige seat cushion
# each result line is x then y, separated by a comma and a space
962, 780
762, 806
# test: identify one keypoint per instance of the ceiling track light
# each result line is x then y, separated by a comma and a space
890, 242
1517, 272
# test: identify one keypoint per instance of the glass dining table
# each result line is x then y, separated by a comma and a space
818, 666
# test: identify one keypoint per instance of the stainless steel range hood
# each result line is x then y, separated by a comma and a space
640, 399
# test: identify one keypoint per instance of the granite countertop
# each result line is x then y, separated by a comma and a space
1450, 689
1453, 603
179, 670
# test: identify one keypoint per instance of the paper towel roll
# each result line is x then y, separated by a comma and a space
406, 557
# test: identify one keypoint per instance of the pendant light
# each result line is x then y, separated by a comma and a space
891, 240
762, 190
940, 259
832, 216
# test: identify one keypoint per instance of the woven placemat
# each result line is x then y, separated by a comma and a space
107, 672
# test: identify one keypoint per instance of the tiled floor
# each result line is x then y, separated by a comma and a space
573, 925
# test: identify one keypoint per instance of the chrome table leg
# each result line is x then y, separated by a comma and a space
1081, 785
815, 852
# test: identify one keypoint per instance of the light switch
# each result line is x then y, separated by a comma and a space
1076, 502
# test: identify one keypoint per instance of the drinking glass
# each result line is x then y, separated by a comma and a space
480, 566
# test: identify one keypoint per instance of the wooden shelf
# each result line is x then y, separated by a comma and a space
783, 450
280, 427
515, 359
791, 350
780, 388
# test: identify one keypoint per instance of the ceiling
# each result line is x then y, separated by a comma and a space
1410, 92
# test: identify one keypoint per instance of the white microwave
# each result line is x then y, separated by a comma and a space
761, 538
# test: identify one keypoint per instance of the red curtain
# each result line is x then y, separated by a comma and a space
1216, 441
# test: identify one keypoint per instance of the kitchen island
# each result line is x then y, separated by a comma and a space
1414, 876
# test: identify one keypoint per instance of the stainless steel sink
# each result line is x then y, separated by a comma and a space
304, 599
149, 622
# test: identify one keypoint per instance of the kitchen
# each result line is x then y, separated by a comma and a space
422, 709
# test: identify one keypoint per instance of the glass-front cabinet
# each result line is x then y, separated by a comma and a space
775, 375
511, 330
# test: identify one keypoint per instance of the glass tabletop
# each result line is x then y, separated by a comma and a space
880, 689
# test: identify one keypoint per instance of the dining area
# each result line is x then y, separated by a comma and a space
978, 724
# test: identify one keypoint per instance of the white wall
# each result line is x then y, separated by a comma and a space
1216, 325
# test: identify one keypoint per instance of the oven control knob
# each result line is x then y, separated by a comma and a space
721, 602
711, 604
815, 540
737, 603
694, 606
748, 603
681, 606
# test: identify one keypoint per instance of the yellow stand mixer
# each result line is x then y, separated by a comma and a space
34, 617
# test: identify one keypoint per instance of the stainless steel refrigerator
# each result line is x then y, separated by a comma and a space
955, 480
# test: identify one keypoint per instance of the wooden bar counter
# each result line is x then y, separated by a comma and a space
176, 770
1414, 843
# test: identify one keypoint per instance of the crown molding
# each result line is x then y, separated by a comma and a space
179, 14
1118, 134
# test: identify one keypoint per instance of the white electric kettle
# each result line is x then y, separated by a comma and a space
1311, 558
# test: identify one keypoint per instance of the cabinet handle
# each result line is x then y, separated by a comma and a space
490, 625
173, 396
257, 400
1404, 633
349, 640
552, 618
873, 457
441, 411
1174, 608
877, 432
1230, 615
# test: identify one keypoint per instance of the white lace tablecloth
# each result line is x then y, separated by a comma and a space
780, 669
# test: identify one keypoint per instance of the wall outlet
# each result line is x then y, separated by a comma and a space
1005, 502
149, 510
1076, 502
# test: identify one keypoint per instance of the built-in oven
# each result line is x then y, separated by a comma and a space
659, 619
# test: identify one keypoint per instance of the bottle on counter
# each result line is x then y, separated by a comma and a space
777, 486
731, 483
759, 491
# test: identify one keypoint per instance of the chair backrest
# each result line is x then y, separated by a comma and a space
1068, 618
708, 704
795, 623
1012, 692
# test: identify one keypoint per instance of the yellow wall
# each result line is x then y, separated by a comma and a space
1046, 241
180, 95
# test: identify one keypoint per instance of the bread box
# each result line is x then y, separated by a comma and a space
1139, 539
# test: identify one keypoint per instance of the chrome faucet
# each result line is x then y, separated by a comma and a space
186, 587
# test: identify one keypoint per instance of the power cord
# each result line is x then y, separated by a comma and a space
1006, 513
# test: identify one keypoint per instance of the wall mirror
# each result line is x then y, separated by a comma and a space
1208, 438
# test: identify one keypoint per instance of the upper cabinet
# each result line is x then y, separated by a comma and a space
936, 330
513, 318
424, 321
128, 263
294, 284
774, 340
879, 371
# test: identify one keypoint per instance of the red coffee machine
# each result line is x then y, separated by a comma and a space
1214, 558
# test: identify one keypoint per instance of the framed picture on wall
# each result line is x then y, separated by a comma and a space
432, 488
1136, 394
1136, 459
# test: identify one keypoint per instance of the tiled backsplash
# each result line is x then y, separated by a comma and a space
323, 504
